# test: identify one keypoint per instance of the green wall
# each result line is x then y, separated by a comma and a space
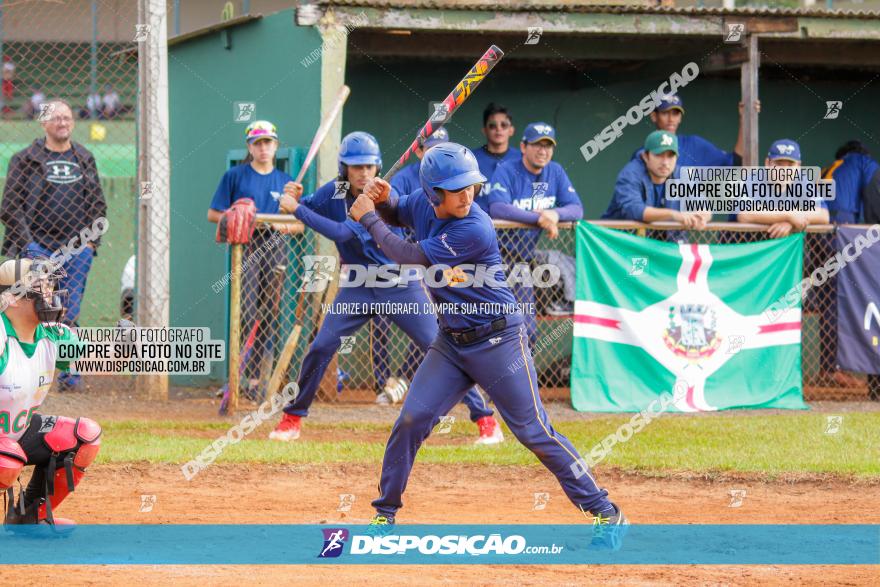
792, 109
206, 79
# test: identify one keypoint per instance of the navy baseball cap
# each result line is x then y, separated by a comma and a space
441, 135
785, 149
539, 131
670, 101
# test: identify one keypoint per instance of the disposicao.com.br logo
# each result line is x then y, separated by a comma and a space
453, 544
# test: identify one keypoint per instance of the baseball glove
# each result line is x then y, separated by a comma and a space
237, 224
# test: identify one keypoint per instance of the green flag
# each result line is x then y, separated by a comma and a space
701, 322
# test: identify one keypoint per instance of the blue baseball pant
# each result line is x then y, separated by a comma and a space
502, 365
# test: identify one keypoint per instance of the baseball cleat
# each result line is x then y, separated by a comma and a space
381, 525
395, 389
287, 429
490, 431
382, 399
609, 529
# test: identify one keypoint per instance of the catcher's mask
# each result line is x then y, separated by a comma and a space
36, 279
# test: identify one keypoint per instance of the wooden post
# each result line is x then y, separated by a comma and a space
749, 81
234, 325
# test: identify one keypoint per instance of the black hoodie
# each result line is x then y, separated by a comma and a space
49, 197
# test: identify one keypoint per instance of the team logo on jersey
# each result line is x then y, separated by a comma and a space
443, 238
539, 189
334, 541
276, 195
62, 172
692, 332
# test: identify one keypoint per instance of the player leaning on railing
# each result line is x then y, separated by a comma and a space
59, 448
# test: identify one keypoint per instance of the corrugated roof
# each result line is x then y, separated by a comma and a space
587, 7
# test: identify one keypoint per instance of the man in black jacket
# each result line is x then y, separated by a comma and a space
52, 193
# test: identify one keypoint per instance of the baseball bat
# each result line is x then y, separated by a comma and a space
248, 345
456, 98
270, 322
287, 352
323, 131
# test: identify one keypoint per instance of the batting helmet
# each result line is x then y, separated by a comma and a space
359, 148
449, 166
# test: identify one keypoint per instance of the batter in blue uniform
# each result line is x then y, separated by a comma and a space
533, 190
498, 129
478, 340
326, 211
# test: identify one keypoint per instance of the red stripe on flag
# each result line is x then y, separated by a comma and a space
689, 399
607, 322
695, 249
782, 326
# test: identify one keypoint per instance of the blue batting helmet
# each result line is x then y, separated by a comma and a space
359, 148
449, 166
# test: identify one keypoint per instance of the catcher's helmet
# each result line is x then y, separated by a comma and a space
449, 166
35, 279
359, 148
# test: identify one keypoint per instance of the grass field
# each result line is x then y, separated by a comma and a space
113, 148
771, 445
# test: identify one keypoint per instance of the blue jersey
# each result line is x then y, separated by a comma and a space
406, 181
850, 174
488, 162
243, 182
513, 184
357, 251
695, 151
454, 242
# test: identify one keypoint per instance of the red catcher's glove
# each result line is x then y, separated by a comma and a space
237, 224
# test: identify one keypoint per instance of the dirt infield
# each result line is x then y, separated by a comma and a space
440, 494
464, 494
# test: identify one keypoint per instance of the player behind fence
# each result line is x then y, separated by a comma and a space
359, 161
471, 348
59, 448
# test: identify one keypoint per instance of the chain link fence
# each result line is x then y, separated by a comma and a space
66, 77
379, 352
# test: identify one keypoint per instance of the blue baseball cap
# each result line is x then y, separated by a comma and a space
670, 101
785, 149
539, 131
440, 136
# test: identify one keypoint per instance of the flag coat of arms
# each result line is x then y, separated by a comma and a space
698, 322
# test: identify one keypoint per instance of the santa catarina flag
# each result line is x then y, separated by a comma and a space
654, 318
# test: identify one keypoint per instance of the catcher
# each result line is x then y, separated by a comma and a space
59, 448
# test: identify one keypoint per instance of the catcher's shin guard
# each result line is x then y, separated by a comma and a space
74, 445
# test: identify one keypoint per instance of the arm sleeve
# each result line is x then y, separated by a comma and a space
335, 231
568, 202
223, 195
397, 249
12, 210
570, 212
506, 211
